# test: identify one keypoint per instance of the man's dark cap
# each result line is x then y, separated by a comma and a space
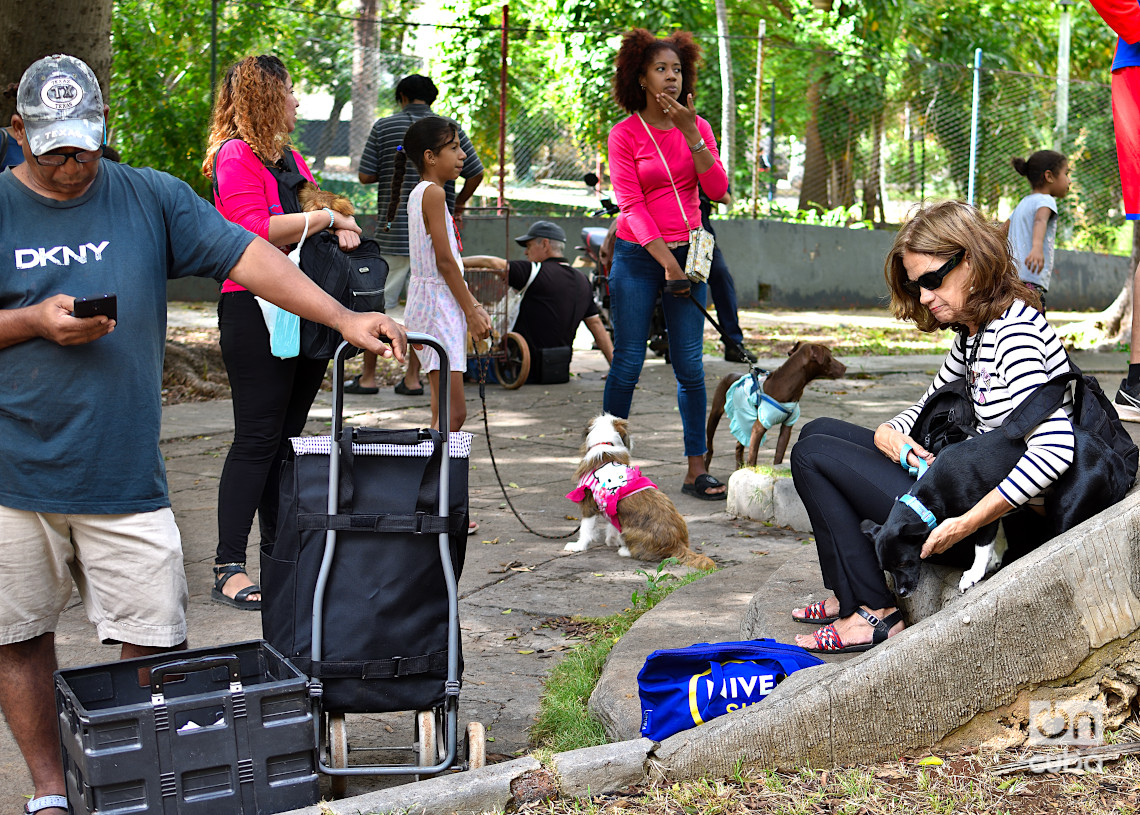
542, 229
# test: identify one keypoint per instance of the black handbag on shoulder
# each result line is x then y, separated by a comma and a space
354, 279
948, 415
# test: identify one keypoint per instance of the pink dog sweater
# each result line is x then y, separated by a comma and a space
609, 484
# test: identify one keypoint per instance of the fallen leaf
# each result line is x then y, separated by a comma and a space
599, 574
513, 637
522, 568
508, 611
527, 651
930, 761
388, 728
571, 517
759, 551
512, 485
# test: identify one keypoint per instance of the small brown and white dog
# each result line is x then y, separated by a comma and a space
637, 518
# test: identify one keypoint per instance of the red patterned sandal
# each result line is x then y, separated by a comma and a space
828, 642
815, 614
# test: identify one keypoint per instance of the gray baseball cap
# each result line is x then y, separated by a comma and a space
61, 105
542, 229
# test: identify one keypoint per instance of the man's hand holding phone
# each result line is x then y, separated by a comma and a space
57, 322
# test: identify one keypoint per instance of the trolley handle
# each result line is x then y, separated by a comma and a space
345, 350
159, 673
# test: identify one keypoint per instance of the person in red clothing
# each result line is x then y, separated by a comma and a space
1123, 17
659, 156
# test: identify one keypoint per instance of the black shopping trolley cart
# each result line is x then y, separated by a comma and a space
360, 588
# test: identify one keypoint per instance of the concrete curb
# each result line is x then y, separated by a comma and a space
768, 496
503, 787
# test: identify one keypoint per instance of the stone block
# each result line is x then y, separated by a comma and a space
750, 495
598, 770
789, 509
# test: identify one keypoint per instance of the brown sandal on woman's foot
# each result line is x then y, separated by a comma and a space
222, 573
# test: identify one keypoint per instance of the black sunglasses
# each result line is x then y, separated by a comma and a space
932, 280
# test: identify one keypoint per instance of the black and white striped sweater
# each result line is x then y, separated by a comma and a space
1019, 352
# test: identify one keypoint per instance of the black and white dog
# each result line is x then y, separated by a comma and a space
961, 475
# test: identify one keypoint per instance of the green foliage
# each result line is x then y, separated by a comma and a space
160, 79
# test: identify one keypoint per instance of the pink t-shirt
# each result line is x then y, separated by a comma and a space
247, 193
649, 208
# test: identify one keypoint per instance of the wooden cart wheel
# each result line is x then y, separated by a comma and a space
426, 740
476, 739
513, 366
338, 752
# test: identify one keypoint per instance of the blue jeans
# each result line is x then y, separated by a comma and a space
636, 279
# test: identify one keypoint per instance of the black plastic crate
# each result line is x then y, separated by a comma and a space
219, 730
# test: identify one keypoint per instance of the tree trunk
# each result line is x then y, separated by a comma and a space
365, 81
81, 28
813, 188
328, 135
727, 93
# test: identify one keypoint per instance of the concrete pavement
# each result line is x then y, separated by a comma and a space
515, 585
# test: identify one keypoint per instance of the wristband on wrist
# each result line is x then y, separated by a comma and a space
698, 147
332, 217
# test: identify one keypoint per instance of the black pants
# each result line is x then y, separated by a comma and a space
843, 479
271, 399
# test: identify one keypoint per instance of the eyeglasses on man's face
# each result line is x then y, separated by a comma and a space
58, 159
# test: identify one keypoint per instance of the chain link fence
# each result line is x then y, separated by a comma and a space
861, 140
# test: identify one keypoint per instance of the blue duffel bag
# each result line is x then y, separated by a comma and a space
684, 687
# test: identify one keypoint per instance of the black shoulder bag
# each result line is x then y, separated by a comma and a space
354, 279
948, 415
1105, 460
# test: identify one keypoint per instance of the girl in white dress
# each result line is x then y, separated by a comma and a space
439, 302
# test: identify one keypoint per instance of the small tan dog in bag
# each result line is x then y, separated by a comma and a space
635, 516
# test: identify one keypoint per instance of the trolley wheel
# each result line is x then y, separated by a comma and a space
476, 739
338, 752
513, 366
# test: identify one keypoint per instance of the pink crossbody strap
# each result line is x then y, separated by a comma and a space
668, 171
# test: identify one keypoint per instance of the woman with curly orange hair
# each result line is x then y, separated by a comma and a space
254, 113
659, 156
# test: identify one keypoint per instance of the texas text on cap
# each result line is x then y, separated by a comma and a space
61, 105
542, 229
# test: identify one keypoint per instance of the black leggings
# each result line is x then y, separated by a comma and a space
271, 399
843, 479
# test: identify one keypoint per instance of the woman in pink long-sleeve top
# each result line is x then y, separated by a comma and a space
254, 114
654, 82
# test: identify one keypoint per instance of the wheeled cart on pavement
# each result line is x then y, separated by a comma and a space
360, 588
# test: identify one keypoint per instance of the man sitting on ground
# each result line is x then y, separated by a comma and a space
555, 301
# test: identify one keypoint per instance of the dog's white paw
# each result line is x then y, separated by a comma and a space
576, 546
623, 551
969, 578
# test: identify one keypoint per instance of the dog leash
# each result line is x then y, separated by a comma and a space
481, 362
727, 340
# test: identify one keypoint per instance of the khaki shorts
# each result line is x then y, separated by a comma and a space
128, 569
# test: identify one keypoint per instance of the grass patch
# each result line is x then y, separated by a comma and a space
962, 785
563, 722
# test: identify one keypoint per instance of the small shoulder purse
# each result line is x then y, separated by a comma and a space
701, 241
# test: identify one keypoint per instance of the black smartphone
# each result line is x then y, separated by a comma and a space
106, 304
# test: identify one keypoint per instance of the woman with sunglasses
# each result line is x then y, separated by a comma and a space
949, 268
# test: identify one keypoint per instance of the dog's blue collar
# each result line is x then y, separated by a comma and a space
924, 514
